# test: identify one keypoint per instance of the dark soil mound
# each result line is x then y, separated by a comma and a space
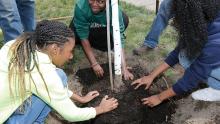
130, 109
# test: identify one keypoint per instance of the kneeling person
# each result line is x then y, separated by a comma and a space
30, 78
89, 25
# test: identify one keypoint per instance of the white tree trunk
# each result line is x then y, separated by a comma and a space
116, 37
117, 44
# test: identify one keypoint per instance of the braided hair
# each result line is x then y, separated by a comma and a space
191, 21
23, 50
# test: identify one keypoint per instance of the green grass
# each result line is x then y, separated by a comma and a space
47, 9
140, 23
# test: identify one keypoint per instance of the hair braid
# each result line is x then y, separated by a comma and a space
22, 52
49, 32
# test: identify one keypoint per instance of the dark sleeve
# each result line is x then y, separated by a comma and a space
199, 70
172, 58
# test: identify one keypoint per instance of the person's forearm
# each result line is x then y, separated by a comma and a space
166, 94
89, 53
99, 110
124, 65
76, 98
160, 69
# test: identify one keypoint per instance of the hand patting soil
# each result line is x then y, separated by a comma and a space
130, 109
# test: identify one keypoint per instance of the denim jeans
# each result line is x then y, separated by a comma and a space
159, 24
213, 80
16, 16
35, 110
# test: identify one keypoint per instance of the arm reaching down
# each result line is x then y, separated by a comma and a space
147, 80
59, 99
90, 55
157, 99
84, 99
126, 73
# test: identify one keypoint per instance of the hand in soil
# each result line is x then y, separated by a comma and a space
106, 105
89, 96
128, 75
98, 70
146, 80
151, 101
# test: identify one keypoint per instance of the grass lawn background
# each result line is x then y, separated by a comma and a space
140, 23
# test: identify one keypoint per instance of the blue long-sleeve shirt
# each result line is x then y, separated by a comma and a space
201, 68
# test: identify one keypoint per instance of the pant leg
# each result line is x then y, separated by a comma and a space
98, 36
10, 22
159, 24
214, 79
44, 113
183, 60
26, 10
35, 111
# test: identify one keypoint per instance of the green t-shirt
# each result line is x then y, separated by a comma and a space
84, 19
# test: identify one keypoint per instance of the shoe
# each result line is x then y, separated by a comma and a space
140, 50
207, 94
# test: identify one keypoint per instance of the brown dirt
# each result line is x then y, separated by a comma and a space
130, 110
188, 111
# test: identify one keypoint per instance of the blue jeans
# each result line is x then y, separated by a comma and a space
16, 16
35, 110
213, 80
159, 24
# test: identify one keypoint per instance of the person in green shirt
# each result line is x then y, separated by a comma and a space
89, 24
32, 82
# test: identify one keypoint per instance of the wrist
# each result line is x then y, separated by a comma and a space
77, 98
99, 110
159, 97
152, 76
94, 64
81, 100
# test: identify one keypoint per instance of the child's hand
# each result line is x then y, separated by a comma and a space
89, 96
128, 75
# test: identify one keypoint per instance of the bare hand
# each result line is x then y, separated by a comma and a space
128, 75
146, 80
152, 101
89, 96
107, 105
98, 70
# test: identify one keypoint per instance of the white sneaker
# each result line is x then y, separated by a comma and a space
207, 94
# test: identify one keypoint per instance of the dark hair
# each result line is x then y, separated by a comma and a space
23, 50
191, 21
48, 32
